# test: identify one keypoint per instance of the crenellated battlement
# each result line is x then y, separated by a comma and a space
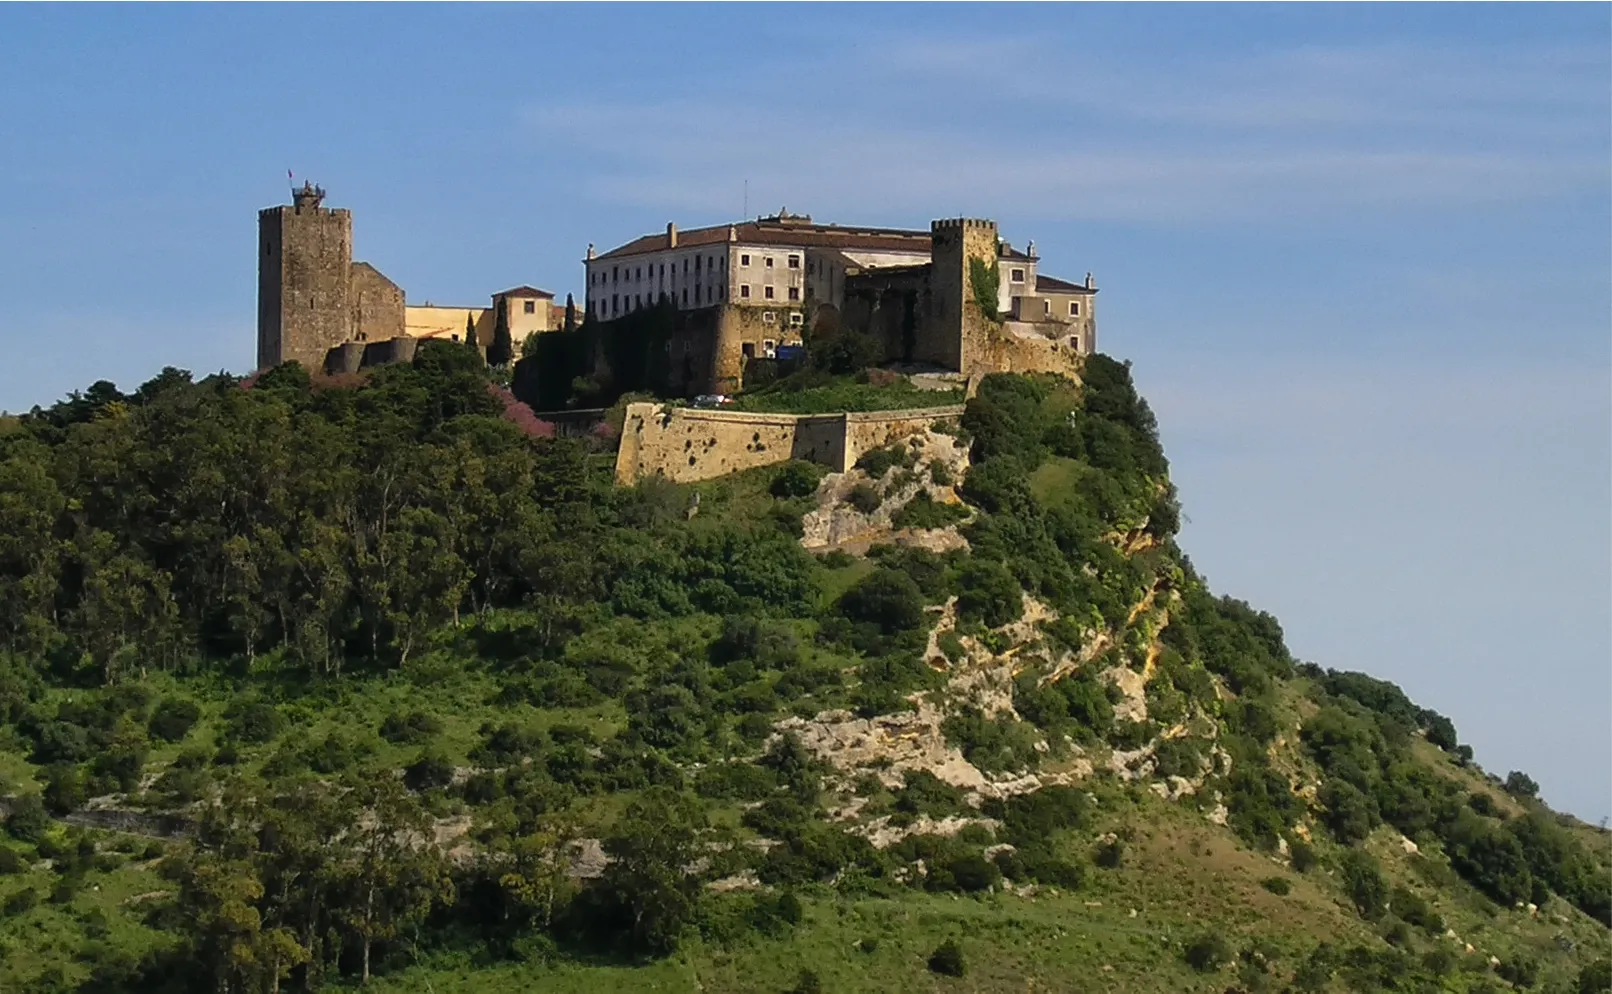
961, 224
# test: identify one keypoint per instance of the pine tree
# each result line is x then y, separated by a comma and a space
502, 349
470, 329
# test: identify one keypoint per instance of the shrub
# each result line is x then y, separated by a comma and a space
796, 478
173, 719
1279, 886
924, 512
1110, 855
807, 984
864, 498
1303, 855
10, 862
877, 462
1596, 978
256, 722
431, 770
410, 729
1520, 971
64, 789
988, 593
1208, 952
947, 960
940, 472
1363, 882
837, 559
884, 598
28, 821
1350, 814
22, 902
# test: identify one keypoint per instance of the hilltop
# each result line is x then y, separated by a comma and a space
325, 683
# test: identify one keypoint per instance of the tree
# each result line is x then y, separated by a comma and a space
502, 350
648, 883
396, 871
570, 313
1521, 786
470, 329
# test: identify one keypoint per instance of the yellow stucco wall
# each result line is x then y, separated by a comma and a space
446, 322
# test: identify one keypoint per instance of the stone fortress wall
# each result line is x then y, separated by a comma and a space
685, 444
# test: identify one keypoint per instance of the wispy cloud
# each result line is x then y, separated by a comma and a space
1013, 125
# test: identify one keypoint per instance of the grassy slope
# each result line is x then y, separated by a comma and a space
1121, 932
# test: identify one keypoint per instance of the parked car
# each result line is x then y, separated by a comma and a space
712, 400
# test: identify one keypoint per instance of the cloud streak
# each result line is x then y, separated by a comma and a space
1282, 136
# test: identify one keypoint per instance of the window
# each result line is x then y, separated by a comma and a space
797, 319
794, 293
685, 296
697, 263
614, 305
1018, 275
794, 262
637, 301
614, 274
744, 259
685, 265
767, 292
744, 291
769, 262
1046, 307
1074, 308
749, 350
638, 274
1074, 342
811, 267
531, 307
768, 317
663, 270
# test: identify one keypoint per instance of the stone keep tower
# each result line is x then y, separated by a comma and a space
957, 330
304, 285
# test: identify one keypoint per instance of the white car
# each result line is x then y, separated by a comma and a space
712, 400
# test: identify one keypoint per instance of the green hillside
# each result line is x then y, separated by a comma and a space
317, 685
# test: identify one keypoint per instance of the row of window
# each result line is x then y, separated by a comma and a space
623, 304
767, 292
793, 260
635, 274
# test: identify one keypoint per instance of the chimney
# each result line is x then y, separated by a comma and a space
671, 234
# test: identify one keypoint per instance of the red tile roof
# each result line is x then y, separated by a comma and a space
525, 291
785, 234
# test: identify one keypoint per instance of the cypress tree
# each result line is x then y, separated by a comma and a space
502, 349
470, 329
570, 313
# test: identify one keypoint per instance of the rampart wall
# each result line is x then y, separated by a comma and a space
686, 444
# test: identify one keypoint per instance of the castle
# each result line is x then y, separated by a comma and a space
956, 298
318, 307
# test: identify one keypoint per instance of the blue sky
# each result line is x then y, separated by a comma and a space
1359, 254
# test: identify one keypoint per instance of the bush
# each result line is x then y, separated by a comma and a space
1595, 978
1208, 952
884, 598
1363, 882
1414, 908
429, 771
947, 960
410, 729
1520, 971
11, 862
173, 719
1303, 855
28, 821
256, 722
1521, 786
795, 478
924, 513
877, 462
988, 593
864, 498
1279, 886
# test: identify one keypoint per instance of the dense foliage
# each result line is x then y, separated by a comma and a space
299, 629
